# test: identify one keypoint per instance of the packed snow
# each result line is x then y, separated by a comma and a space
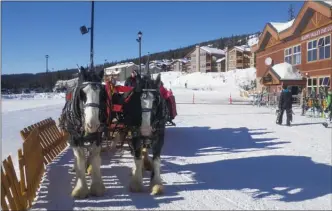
219, 156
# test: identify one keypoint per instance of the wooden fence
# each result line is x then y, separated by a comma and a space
42, 142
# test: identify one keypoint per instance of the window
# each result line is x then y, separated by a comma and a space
312, 85
312, 50
319, 49
324, 47
297, 55
288, 55
324, 82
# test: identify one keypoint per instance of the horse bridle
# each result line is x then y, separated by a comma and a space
156, 121
93, 105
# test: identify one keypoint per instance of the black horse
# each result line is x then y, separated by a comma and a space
144, 114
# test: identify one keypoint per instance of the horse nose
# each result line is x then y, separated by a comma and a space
92, 127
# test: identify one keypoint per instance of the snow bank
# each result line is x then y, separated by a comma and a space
209, 81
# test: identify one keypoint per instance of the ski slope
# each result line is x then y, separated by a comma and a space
219, 156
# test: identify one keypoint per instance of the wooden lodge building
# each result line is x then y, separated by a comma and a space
304, 43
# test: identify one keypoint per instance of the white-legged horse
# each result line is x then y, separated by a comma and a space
87, 111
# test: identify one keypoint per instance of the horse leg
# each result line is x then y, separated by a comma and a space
81, 189
97, 186
146, 160
88, 163
156, 182
136, 183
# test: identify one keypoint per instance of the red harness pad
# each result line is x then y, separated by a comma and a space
173, 111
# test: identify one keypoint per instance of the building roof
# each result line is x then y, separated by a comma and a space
326, 2
281, 31
122, 65
280, 26
213, 50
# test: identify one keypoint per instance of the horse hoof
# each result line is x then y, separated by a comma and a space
97, 189
157, 189
80, 193
89, 170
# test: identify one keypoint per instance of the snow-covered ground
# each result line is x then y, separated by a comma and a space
219, 156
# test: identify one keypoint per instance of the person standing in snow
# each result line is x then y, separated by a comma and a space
132, 79
303, 100
328, 110
285, 104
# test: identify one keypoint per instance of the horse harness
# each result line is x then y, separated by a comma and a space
72, 118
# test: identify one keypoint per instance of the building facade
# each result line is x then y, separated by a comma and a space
204, 59
304, 42
240, 57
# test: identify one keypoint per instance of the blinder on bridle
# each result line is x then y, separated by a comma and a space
156, 95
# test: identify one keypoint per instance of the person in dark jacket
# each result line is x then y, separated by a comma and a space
131, 80
285, 104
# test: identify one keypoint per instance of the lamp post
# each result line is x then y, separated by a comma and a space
85, 30
148, 63
48, 80
139, 40
46, 56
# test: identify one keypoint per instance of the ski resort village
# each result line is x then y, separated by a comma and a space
241, 122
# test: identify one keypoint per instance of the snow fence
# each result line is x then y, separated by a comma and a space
42, 143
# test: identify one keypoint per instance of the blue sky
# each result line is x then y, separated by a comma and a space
30, 30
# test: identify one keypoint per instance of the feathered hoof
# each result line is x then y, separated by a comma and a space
89, 170
97, 189
80, 192
157, 189
136, 187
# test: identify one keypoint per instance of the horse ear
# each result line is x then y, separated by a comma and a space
158, 80
82, 74
101, 74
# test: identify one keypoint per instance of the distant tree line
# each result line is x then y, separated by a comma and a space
47, 80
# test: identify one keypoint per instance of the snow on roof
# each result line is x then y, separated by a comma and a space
220, 60
287, 72
328, 2
242, 48
282, 26
213, 50
122, 65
